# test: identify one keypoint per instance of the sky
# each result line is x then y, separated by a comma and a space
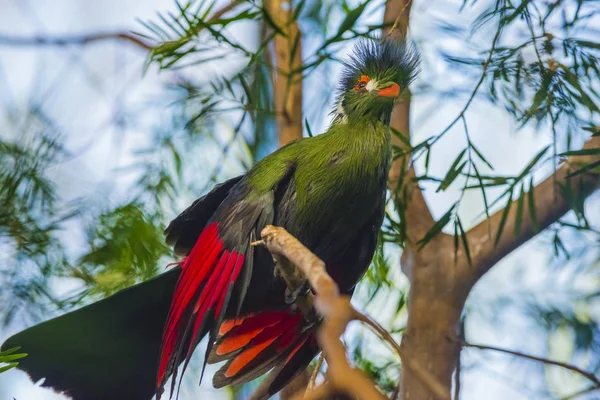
84, 90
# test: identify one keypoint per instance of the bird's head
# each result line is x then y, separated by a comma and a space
373, 78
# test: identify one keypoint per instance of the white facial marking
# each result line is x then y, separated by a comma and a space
341, 113
371, 85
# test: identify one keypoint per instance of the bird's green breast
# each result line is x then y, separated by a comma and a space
339, 179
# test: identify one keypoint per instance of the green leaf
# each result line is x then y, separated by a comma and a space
559, 246
451, 176
455, 237
519, 214
7, 367
463, 236
9, 351
485, 202
453, 171
9, 355
504, 217
427, 158
402, 136
586, 43
594, 129
308, 130
293, 51
298, 10
518, 11
351, 18
436, 228
532, 208
12, 357
271, 23
347, 23
533, 163
582, 152
481, 157
585, 168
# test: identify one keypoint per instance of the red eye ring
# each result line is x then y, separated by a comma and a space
362, 83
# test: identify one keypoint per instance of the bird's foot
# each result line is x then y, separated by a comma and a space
291, 296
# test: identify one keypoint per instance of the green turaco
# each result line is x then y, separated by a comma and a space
327, 190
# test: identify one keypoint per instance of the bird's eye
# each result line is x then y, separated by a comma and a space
361, 85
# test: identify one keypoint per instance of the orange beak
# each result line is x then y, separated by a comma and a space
391, 91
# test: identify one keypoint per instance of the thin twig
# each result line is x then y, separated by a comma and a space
587, 390
408, 4
74, 40
84, 39
570, 367
315, 374
484, 71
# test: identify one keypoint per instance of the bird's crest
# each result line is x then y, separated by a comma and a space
375, 72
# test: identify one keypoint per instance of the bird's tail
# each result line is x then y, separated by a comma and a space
107, 350
254, 344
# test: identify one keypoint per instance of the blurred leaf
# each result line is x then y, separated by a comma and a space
532, 206
308, 130
481, 157
465, 242
519, 213
436, 228
503, 217
582, 152
125, 247
453, 172
348, 23
584, 169
518, 12
270, 22
594, 129
8, 356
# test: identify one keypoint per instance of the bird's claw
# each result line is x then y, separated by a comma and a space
292, 296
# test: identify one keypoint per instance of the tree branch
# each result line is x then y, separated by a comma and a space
75, 40
570, 367
550, 205
84, 39
337, 312
335, 309
315, 374
287, 55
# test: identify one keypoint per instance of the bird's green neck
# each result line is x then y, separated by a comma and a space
354, 116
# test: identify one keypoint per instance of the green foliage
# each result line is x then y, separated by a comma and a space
126, 247
383, 372
8, 359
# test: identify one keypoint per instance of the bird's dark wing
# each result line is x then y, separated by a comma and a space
354, 262
184, 230
217, 272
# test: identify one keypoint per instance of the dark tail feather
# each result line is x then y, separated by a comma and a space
254, 344
107, 350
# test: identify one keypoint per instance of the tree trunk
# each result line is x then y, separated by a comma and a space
435, 304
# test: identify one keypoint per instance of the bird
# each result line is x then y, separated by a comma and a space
328, 191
